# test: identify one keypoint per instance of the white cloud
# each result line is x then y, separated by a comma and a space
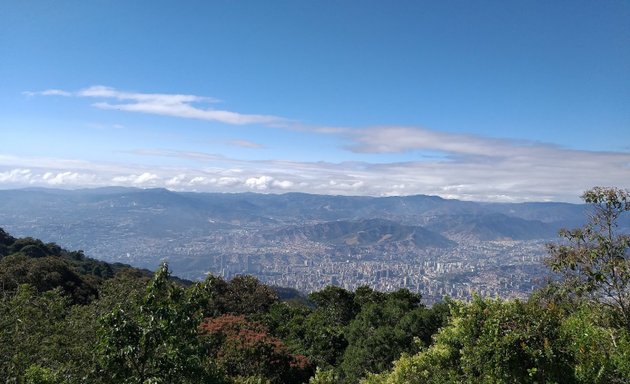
62, 178
227, 181
260, 183
25, 177
344, 185
48, 92
265, 182
56, 92
144, 179
175, 105
18, 175
175, 181
400, 139
246, 144
159, 98
198, 180
283, 184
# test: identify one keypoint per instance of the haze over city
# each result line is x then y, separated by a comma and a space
489, 101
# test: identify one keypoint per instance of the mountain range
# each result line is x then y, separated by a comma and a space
200, 232
163, 210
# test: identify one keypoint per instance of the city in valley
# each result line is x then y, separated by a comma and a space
490, 268
433, 246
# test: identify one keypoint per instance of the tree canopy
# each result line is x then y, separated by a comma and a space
594, 260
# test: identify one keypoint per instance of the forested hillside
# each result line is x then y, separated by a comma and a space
69, 318
66, 318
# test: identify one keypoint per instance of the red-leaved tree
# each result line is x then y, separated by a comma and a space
245, 348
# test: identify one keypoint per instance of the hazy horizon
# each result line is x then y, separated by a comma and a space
132, 188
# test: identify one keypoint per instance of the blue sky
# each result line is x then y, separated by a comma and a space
478, 100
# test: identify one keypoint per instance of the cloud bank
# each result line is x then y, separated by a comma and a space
504, 172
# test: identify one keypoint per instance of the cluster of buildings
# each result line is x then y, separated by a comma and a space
496, 269
486, 268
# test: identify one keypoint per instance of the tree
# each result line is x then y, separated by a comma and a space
489, 341
599, 352
336, 303
384, 328
594, 261
288, 322
319, 334
44, 274
157, 342
243, 295
247, 295
31, 331
322, 341
244, 348
83, 324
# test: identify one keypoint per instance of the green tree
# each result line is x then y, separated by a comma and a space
317, 333
336, 304
243, 295
45, 273
594, 261
324, 377
490, 341
31, 332
386, 326
286, 320
600, 353
82, 325
323, 337
323, 341
40, 375
158, 341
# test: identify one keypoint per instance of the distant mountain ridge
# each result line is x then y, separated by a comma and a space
235, 232
164, 210
491, 226
364, 232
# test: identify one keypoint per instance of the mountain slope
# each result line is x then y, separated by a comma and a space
493, 226
366, 232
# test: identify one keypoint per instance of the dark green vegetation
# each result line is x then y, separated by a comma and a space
66, 318
69, 318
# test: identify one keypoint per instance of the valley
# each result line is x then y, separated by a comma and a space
427, 244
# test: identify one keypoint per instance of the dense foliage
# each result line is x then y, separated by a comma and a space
66, 318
